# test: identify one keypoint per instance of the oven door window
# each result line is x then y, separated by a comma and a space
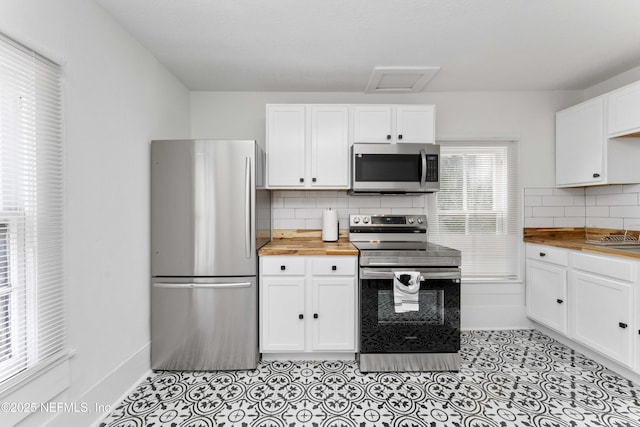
434, 328
431, 309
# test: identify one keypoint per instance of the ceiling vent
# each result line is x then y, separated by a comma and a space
400, 79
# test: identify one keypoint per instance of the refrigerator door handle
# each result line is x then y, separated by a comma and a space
202, 285
247, 207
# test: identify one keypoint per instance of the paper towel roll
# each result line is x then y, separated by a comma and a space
329, 225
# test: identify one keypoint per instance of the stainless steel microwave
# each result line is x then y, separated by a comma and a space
395, 168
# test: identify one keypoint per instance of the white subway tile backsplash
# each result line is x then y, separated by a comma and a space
569, 222
299, 202
334, 203
624, 211
568, 191
396, 202
308, 213
632, 224
600, 211
533, 200
528, 212
419, 202
631, 188
538, 191
603, 189
574, 211
589, 200
283, 213
597, 222
617, 199
538, 222
313, 224
289, 224
557, 200
374, 211
550, 211
408, 211
364, 202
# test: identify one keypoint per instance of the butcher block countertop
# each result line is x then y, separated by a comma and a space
307, 242
576, 239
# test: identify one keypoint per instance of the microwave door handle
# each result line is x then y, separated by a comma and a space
423, 178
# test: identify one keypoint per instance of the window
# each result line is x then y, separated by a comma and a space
476, 209
32, 317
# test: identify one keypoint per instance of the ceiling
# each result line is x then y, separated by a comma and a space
334, 45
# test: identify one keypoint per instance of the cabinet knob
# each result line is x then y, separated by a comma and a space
334, 268
622, 325
543, 254
301, 179
282, 267
313, 180
315, 315
388, 137
596, 175
559, 301
399, 136
300, 316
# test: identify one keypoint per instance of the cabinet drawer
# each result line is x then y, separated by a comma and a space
606, 266
331, 266
283, 266
548, 254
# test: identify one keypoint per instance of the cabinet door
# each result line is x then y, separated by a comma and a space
415, 124
286, 146
547, 294
624, 111
333, 317
602, 315
330, 146
372, 123
282, 305
580, 143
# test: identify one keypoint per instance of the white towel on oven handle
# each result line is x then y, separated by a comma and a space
405, 296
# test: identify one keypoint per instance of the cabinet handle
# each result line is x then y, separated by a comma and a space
399, 136
300, 316
334, 268
559, 301
388, 137
313, 180
543, 254
596, 175
315, 315
282, 267
622, 325
301, 179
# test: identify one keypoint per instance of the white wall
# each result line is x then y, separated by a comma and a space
117, 98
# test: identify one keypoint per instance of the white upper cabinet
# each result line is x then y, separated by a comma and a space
394, 124
580, 142
307, 146
286, 143
624, 111
329, 146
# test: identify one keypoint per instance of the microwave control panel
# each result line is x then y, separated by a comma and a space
432, 168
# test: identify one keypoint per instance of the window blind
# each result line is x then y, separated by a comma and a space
32, 293
477, 208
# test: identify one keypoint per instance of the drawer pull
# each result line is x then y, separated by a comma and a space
622, 325
300, 316
282, 267
559, 301
334, 268
596, 175
315, 315
543, 254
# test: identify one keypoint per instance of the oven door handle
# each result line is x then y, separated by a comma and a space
374, 273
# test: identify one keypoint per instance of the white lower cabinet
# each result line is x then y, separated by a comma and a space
589, 298
602, 305
307, 304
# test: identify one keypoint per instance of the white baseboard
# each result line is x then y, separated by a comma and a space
106, 393
485, 317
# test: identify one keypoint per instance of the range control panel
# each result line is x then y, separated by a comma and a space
387, 221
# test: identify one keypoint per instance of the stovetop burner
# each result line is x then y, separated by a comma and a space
398, 240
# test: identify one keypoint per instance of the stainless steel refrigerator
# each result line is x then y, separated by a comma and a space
210, 214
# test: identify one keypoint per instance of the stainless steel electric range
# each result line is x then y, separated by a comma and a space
426, 336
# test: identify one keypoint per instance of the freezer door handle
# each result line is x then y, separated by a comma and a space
202, 285
247, 207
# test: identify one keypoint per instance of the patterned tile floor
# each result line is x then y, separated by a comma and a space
508, 378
